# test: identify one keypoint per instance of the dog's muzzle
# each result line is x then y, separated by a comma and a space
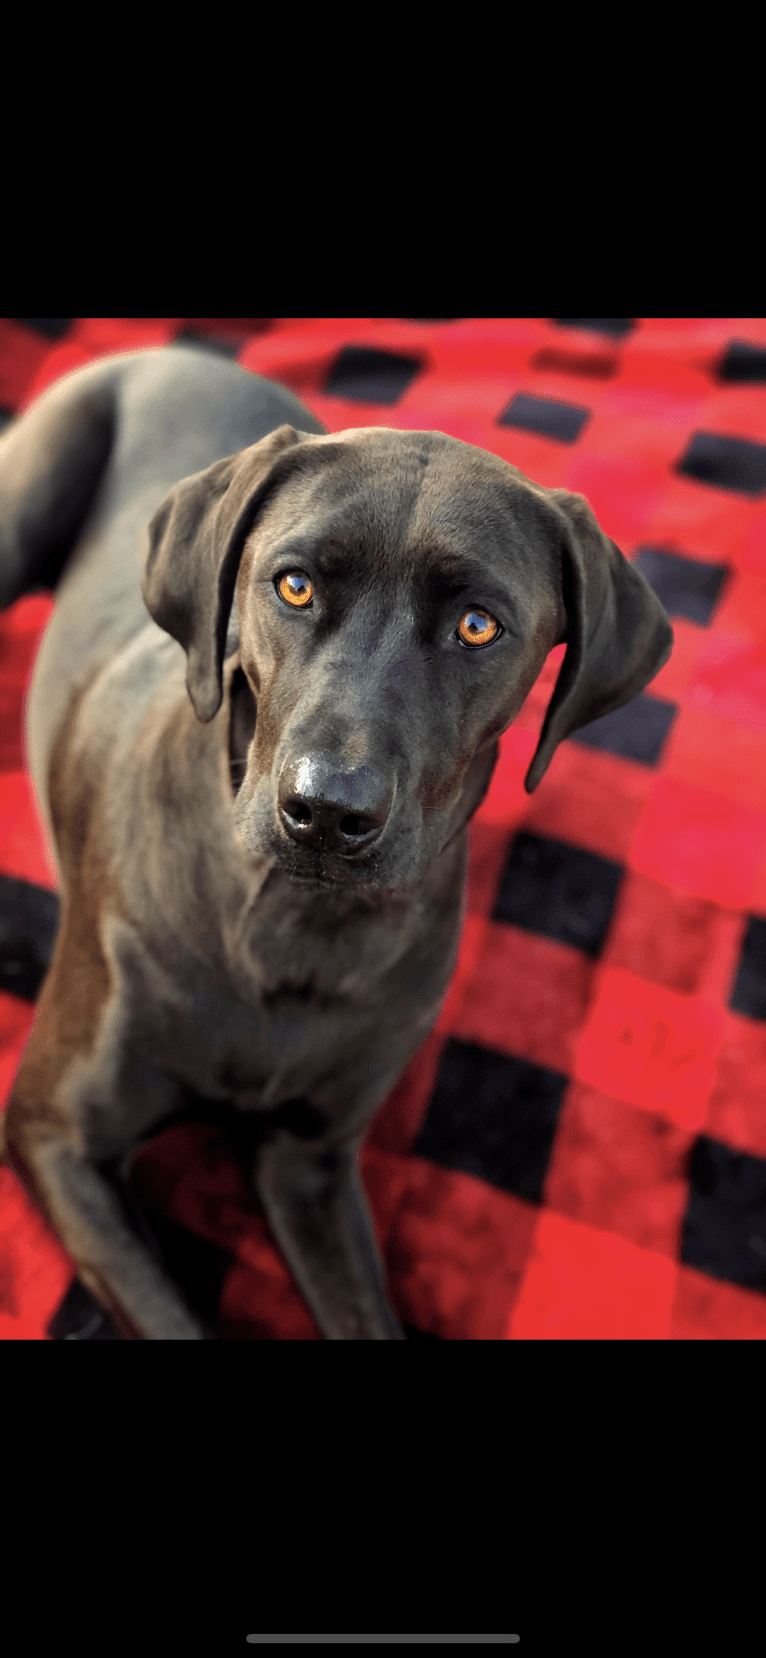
327, 810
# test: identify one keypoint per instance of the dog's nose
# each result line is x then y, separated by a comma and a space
331, 810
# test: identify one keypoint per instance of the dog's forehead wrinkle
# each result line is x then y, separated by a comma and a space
367, 480
418, 506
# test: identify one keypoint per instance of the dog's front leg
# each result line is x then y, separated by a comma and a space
317, 1211
97, 1232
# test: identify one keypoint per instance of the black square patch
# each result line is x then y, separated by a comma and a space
749, 993
219, 346
724, 1231
29, 919
686, 586
637, 731
615, 327
725, 463
558, 890
364, 375
743, 364
546, 417
52, 328
494, 1117
80, 1317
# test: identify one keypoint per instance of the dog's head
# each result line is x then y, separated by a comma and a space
392, 597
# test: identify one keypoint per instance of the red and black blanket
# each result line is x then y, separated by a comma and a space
579, 1149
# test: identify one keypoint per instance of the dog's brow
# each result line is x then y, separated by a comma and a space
334, 559
456, 573
295, 551
328, 558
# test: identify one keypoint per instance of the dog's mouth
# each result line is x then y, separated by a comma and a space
310, 869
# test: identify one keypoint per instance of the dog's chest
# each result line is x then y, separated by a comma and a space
280, 999
275, 1027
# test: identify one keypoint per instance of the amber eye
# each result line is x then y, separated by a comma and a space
477, 627
295, 589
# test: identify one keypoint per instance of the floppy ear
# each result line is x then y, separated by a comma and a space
195, 544
618, 635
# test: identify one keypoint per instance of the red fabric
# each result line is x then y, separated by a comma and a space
652, 1053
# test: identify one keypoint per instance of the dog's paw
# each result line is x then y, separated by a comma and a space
81, 1318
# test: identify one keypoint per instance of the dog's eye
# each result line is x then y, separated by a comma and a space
477, 627
295, 589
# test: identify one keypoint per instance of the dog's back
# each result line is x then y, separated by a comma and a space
81, 474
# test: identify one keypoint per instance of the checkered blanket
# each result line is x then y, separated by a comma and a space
579, 1149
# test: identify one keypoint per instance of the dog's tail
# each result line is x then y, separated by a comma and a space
52, 458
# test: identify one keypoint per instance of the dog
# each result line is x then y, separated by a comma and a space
266, 706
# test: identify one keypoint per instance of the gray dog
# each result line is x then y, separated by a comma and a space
266, 706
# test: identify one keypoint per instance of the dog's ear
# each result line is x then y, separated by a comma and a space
195, 545
617, 634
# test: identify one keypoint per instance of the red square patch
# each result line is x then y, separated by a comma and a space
586, 1285
705, 1310
622, 491
743, 605
704, 523
700, 843
719, 754
650, 1046
730, 680
24, 852
688, 644
616, 1167
456, 1249
687, 944
527, 996
569, 803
